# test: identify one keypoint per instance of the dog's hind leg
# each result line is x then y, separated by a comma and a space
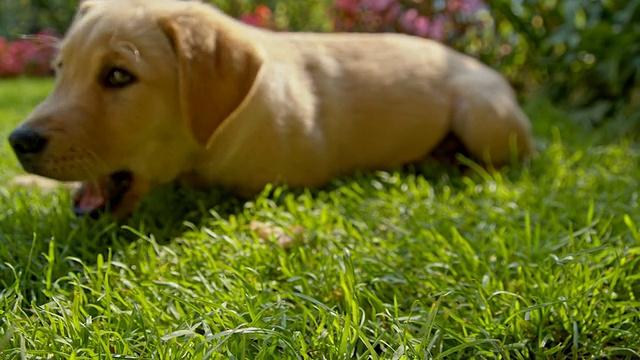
492, 127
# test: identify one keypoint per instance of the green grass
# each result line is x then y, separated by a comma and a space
538, 261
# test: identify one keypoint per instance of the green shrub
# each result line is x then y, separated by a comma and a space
20, 17
585, 53
294, 15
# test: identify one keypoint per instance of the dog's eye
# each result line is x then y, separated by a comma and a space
118, 78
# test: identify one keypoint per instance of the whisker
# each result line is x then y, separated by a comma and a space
89, 174
48, 40
98, 163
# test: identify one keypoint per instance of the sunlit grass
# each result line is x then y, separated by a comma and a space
530, 262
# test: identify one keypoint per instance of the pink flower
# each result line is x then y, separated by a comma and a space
30, 56
470, 6
421, 26
392, 13
380, 5
408, 16
437, 28
407, 20
350, 6
261, 17
454, 5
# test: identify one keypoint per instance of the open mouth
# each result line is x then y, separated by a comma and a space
105, 194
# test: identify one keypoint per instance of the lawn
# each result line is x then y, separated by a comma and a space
535, 261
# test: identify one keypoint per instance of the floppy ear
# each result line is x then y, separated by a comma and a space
217, 70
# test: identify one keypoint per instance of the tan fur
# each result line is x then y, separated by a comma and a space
220, 103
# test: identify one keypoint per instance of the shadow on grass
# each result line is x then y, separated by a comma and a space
170, 210
44, 241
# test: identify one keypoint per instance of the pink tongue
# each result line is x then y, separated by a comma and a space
89, 197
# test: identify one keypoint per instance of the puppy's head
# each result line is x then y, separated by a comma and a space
142, 85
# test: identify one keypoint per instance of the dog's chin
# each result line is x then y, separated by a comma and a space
104, 195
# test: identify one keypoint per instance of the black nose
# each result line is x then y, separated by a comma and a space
26, 141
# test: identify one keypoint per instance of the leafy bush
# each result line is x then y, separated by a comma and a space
582, 52
585, 53
599, 53
294, 15
27, 17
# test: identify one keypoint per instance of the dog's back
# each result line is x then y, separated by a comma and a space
339, 102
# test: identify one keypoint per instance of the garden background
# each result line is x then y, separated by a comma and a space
583, 52
536, 261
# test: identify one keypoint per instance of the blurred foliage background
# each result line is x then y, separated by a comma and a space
579, 53
18, 17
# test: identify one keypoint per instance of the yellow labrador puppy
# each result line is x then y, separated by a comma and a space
151, 91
